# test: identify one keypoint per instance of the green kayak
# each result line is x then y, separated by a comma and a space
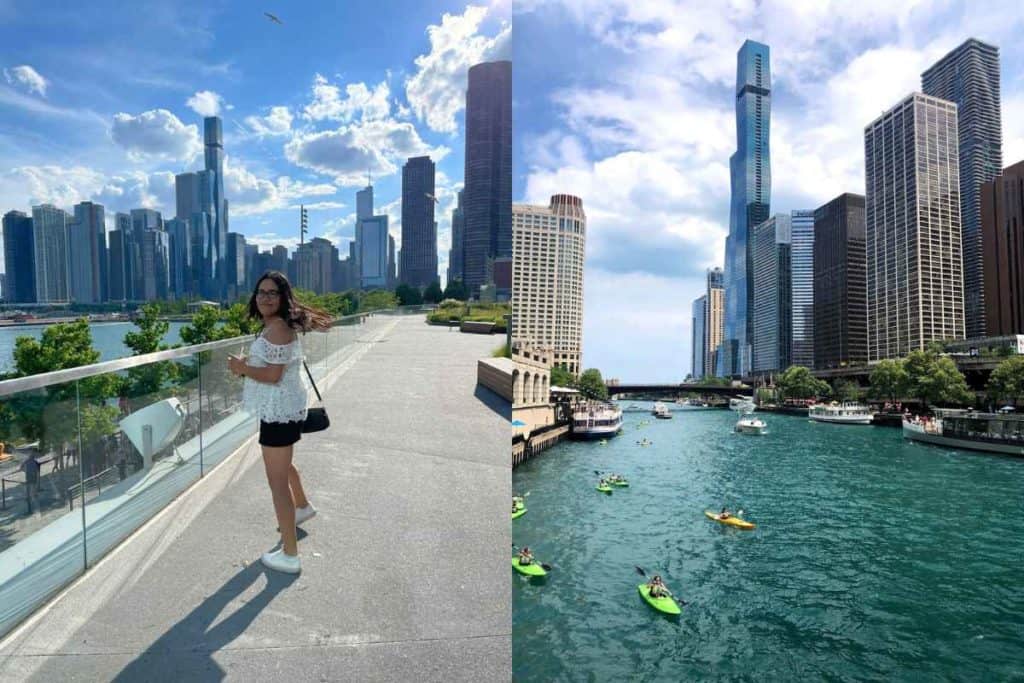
532, 569
604, 489
519, 513
665, 605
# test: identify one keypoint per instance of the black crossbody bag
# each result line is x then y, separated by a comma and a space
316, 418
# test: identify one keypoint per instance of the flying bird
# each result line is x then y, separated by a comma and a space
430, 196
273, 18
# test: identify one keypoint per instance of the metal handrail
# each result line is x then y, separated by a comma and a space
45, 379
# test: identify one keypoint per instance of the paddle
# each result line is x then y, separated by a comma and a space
545, 567
641, 572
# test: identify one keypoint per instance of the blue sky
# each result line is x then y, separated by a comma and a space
629, 104
105, 101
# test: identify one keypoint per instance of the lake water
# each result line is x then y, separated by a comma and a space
874, 558
107, 338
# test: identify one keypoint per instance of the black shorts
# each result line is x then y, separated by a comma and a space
280, 433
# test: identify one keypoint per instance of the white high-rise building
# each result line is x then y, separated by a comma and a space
915, 290
52, 253
548, 249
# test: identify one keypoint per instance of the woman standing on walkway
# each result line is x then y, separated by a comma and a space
275, 393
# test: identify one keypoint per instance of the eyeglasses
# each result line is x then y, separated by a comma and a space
267, 293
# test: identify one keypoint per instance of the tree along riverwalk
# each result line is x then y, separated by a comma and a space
405, 568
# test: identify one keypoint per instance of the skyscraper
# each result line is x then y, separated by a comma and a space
549, 247
698, 336
772, 320
87, 248
364, 202
714, 318
455, 256
53, 271
801, 268
314, 265
214, 157
374, 263
969, 76
419, 231
840, 281
488, 170
19, 258
751, 186
179, 244
915, 290
118, 253
1002, 229
234, 271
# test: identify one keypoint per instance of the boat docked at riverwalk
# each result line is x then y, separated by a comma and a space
988, 432
595, 420
743, 404
661, 411
691, 404
846, 413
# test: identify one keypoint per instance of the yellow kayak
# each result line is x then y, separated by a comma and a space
731, 521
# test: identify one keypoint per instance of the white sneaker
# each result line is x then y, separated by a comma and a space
303, 514
279, 561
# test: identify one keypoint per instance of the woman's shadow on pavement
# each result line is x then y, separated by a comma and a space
185, 652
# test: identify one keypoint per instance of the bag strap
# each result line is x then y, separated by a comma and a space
310, 374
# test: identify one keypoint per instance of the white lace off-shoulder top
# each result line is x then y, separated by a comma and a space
286, 400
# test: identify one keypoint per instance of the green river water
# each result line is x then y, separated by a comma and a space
874, 558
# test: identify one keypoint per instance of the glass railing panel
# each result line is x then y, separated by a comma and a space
41, 540
142, 448
226, 423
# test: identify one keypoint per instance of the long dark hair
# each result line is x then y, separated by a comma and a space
297, 316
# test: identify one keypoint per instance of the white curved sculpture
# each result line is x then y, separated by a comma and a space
154, 427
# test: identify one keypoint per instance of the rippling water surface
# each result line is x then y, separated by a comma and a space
873, 557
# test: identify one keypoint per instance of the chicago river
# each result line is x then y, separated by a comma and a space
872, 554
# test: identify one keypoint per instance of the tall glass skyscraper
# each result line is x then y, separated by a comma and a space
969, 76
801, 266
698, 335
19, 258
751, 182
771, 315
488, 172
53, 264
213, 138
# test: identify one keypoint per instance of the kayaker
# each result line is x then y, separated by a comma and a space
724, 514
658, 588
525, 557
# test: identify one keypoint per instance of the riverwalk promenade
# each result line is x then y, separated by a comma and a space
405, 568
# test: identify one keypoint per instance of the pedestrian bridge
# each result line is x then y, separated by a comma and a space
622, 389
138, 558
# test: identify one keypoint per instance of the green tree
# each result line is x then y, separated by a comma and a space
935, 380
150, 379
50, 415
455, 290
432, 294
1006, 383
408, 295
560, 377
377, 299
845, 390
798, 382
889, 379
591, 385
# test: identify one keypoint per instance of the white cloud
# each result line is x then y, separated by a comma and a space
206, 103
66, 186
437, 91
359, 101
277, 122
28, 78
251, 195
156, 134
349, 152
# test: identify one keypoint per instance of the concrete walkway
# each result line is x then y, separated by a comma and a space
405, 569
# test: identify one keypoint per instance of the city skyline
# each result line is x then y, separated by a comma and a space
303, 129
641, 127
